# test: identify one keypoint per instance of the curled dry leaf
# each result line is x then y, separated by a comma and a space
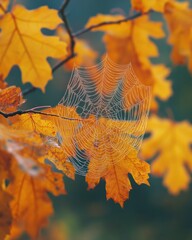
10, 98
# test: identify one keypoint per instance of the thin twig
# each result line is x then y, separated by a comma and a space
28, 90
72, 36
88, 29
72, 44
58, 65
68, 29
21, 112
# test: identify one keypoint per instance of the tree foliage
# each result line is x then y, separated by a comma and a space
28, 138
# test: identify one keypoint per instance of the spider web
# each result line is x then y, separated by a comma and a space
113, 106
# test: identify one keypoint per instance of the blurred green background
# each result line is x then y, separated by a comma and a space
150, 213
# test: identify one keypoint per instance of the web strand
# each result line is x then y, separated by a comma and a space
114, 106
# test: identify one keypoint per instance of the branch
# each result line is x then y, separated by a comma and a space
72, 44
68, 29
21, 112
88, 29
72, 36
58, 65
29, 90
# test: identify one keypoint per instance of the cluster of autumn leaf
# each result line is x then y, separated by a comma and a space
29, 139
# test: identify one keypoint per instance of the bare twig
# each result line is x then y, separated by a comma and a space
29, 90
58, 65
72, 36
88, 29
68, 29
21, 112
72, 44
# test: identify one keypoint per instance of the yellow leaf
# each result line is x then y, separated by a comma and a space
35, 123
171, 141
178, 16
22, 43
3, 6
162, 89
134, 45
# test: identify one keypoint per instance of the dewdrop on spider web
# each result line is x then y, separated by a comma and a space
107, 109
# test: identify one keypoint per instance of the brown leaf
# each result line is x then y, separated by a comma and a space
10, 99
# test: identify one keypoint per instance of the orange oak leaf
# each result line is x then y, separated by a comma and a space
111, 156
170, 141
23, 43
10, 98
141, 28
31, 206
86, 56
178, 17
116, 177
146, 5
130, 42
